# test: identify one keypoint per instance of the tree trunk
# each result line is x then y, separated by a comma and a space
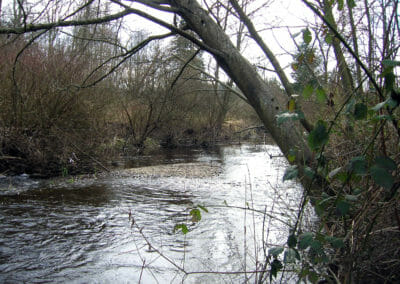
289, 135
345, 74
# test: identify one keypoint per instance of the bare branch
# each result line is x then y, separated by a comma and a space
47, 26
21, 6
184, 67
103, 40
235, 92
125, 56
164, 24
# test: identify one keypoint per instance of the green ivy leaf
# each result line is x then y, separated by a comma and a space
307, 37
360, 111
351, 4
340, 5
291, 255
343, 176
305, 240
308, 91
386, 163
292, 241
181, 227
335, 242
196, 215
382, 177
358, 165
319, 136
342, 207
291, 172
392, 103
389, 81
309, 172
313, 277
319, 209
276, 265
321, 95
275, 251
328, 38
316, 246
300, 114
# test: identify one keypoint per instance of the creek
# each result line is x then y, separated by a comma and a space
79, 230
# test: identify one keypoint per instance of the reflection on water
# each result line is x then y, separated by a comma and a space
80, 232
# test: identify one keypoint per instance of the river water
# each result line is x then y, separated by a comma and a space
80, 230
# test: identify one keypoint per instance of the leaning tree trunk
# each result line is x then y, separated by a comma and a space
289, 135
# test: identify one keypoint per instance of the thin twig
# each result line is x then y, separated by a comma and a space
184, 67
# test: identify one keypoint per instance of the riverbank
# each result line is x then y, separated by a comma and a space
47, 158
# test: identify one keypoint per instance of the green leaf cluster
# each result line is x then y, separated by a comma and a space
181, 227
195, 214
319, 136
380, 170
307, 37
312, 244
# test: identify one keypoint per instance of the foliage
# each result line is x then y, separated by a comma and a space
354, 179
306, 67
364, 183
195, 214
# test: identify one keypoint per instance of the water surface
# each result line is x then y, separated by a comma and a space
80, 230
